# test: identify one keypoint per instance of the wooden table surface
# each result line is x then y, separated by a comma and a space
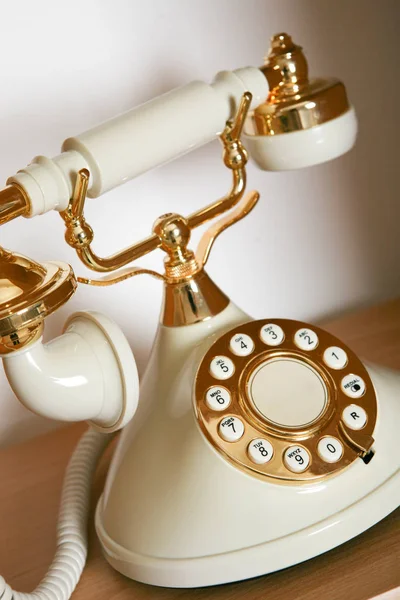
31, 475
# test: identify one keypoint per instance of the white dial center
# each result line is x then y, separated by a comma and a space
287, 392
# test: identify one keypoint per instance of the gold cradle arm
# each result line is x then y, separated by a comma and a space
80, 235
208, 238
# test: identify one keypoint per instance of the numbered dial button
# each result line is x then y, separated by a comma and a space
297, 459
335, 358
330, 449
353, 386
260, 451
272, 334
218, 398
231, 429
241, 344
354, 416
306, 339
222, 367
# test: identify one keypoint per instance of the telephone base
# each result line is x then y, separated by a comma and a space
175, 512
257, 560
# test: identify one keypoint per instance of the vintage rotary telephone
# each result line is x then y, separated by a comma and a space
256, 444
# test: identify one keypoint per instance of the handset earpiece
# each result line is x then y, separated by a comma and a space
303, 122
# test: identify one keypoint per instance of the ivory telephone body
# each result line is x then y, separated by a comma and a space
253, 445
197, 518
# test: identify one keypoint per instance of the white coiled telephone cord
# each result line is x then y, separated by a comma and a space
72, 538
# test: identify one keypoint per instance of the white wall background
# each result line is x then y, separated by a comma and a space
322, 240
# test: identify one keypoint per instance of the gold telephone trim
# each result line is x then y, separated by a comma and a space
328, 423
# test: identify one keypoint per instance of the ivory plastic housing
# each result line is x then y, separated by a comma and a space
175, 513
140, 139
306, 148
87, 374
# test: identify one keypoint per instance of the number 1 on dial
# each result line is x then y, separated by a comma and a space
335, 357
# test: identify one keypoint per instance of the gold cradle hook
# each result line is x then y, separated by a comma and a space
171, 232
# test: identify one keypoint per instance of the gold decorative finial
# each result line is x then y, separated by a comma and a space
285, 67
295, 102
173, 231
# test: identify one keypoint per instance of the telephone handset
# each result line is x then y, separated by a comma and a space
255, 444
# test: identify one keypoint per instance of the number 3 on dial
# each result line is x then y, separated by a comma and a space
271, 334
